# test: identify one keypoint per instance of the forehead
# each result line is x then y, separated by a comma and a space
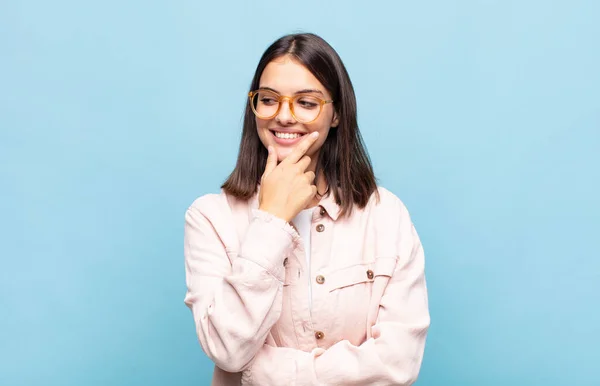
288, 76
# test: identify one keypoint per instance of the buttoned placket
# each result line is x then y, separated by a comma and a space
304, 316
320, 250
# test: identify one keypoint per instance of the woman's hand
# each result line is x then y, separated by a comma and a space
287, 188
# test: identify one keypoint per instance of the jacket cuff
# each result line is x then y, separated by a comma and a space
269, 239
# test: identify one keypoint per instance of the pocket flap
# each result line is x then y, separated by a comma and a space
360, 273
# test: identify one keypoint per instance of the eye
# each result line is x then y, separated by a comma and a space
308, 103
268, 100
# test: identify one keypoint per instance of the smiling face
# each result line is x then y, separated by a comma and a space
287, 77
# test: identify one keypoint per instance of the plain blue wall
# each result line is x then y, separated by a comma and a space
483, 116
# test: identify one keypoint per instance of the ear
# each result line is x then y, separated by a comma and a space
336, 120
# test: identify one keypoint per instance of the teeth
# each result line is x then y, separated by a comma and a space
287, 135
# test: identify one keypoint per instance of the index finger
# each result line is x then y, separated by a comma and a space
271, 160
302, 148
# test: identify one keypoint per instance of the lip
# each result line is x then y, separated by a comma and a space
286, 141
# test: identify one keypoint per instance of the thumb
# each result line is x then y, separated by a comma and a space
271, 160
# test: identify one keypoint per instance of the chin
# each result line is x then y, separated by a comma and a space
282, 153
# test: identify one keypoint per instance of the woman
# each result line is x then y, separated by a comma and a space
303, 271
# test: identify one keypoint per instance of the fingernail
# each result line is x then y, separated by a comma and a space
315, 134
270, 149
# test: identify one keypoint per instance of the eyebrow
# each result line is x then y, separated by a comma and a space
304, 91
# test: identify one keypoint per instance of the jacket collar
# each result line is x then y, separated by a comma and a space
331, 207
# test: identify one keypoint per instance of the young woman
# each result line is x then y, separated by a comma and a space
303, 271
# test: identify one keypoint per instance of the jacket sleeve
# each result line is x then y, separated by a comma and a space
234, 302
392, 356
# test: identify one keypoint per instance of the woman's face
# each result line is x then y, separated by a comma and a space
288, 77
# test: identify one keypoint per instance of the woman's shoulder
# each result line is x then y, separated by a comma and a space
384, 201
392, 222
208, 201
223, 214
218, 204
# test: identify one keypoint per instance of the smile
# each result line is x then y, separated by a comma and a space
287, 135
286, 138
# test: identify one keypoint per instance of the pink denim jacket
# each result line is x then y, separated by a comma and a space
247, 287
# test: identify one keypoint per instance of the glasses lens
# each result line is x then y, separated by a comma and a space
265, 103
306, 108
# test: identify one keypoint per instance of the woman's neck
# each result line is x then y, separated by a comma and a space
321, 189
321, 182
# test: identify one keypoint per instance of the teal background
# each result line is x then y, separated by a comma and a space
483, 116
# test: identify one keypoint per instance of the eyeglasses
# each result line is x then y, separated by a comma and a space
305, 108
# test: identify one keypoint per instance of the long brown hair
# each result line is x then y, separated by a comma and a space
343, 158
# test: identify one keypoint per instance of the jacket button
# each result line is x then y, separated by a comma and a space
320, 228
322, 211
370, 274
319, 335
285, 262
320, 279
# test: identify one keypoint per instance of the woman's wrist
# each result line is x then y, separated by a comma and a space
274, 213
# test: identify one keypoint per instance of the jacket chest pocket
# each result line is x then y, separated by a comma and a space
354, 293
363, 273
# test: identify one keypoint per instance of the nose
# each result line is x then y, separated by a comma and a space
284, 115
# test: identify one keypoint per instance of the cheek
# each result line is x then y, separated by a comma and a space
323, 128
322, 125
263, 133
260, 125
316, 147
